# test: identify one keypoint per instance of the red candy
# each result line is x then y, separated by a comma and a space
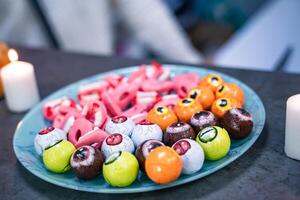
92, 91
140, 117
147, 98
112, 107
136, 109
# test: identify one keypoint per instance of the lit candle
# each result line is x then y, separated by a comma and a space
20, 88
292, 128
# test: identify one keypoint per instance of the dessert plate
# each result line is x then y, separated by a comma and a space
34, 121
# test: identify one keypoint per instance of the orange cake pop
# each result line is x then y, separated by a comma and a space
222, 105
163, 165
203, 95
212, 81
186, 108
162, 116
230, 90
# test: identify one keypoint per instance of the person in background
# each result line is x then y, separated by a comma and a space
101, 27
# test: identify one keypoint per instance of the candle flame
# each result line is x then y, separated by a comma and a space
12, 55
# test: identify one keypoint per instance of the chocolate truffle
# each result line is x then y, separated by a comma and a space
144, 149
203, 119
238, 122
177, 131
87, 162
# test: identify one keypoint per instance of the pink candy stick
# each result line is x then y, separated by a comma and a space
125, 93
94, 137
138, 76
65, 122
183, 83
136, 109
154, 71
95, 112
138, 118
169, 101
112, 107
114, 80
154, 85
51, 108
80, 127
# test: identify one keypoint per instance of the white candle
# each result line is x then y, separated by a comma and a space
19, 83
292, 128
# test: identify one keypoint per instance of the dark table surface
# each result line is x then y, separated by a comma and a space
264, 172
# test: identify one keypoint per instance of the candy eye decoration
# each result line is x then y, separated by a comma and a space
222, 105
203, 95
116, 142
162, 116
87, 162
145, 131
191, 155
238, 122
120, 124
177, 131
203, 119
163, 165
48, 137
212, 81
230, 90
215, 142
56, 158
186, 108
120, 169
144, 149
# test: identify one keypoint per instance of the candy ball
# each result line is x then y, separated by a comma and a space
116, 142
177, 131
120, 124
163, 165
162, 116
230, 90
222, 105
48, 137
191, 154
238, 122
214, 141
186, 108
203, 119
144, 149
203, 95
120, 169
145, 131
212, 81
57, 157
87, 162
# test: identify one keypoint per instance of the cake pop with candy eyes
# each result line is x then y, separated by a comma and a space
203, 119
116, 142
191, 154
203, 95
162, 116
177, 131
145, 131
48, 137
87, 162
238, 122
211, 81
144, 149
186, 108
232, 91
222, 105
120, 124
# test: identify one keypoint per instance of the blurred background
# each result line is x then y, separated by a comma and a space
249, 34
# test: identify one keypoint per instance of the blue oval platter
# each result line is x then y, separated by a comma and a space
34, 121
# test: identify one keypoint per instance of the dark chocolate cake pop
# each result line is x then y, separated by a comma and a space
238, 122
87, 162
203, 119
177, 131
